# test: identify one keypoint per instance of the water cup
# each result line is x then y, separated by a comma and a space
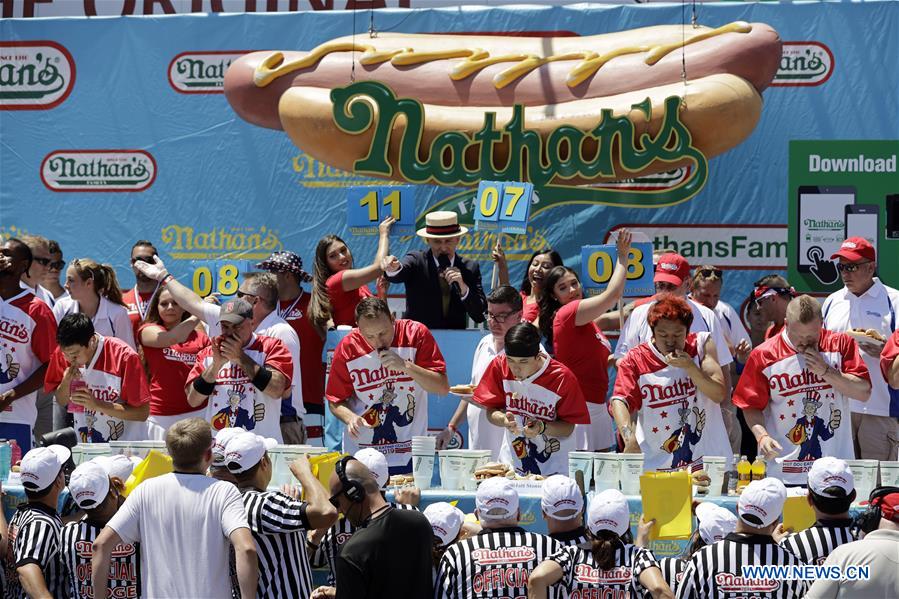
889, 474
715, 466
457, 467
281, 457
581, 461
865, 474
423, 469
607, 470
631, 470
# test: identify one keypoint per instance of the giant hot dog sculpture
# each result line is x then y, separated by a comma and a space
566, 111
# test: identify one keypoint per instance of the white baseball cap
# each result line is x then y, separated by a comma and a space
118, 465
40, 466
221, 440
762, 502
715, 522
830, 472
375, 461
89, 484
496, 499
446, 521
608, 511
245, 450
561, 498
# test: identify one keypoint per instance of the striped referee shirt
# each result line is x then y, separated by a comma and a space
76, 551
279, 524
672, 571
326, 553
494, 563
33, 538
581, 573
814, 544
716, 570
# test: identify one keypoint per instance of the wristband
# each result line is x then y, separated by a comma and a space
166, 279
762, 437
262, 378
203, 387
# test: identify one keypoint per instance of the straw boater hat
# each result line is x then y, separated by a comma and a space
442, 225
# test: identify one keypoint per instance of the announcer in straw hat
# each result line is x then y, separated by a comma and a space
442, 287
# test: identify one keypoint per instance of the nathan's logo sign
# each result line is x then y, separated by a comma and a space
98, 170
371, 106
804, 64
185, 242
36, 75
201, 72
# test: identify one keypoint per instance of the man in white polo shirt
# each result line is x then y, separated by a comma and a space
795, 390
866, 304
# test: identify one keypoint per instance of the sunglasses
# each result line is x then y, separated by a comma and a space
708, 273
58, 265
333, 499
41, 261
851, 267
240, 294
148, 260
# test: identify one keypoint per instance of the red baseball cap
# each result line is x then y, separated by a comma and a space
889, 507
856, 249
671, 268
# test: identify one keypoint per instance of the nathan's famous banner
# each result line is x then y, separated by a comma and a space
118, 129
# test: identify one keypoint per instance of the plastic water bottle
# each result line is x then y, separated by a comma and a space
733, 476
15, 452
5, 459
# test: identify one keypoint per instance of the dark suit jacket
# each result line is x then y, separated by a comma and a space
424, 300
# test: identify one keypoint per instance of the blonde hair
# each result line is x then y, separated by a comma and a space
35, 241
803, 309
105, 281
187, 442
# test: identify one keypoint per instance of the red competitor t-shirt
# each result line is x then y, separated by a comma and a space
27, 340
296, 313
137, 306
343, 303
115, 374
236, 402
552, 393
889, 354
583, 349
169, 367
529, 312
676, 424
392, 403
804, 413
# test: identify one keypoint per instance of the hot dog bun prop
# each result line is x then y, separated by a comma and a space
592, 107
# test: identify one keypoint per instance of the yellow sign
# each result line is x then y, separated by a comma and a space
667, 497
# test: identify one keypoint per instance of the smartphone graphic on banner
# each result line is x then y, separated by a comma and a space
893, 216
862, 220
821, 219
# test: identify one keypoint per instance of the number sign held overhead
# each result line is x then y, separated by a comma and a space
598, 263
503, 206
366, 207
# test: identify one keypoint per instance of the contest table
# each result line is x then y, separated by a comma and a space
532, 517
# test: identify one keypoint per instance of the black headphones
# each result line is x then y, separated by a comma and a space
869, 520
353, 489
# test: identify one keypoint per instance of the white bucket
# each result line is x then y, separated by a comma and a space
715, 466
865, 474
607, 471
631, 470
889, 474
581, 461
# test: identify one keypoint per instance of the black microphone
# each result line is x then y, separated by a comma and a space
444, 262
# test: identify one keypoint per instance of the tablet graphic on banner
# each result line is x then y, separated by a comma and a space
366, 207
839, 189
503, 206
598, 263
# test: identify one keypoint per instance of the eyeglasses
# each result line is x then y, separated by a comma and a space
58, 265
708, 273
500, 318
852, 267
241, 294
41, 261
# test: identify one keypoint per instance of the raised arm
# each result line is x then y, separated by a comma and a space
158, 336
185, 297
355, 278
592, 308
319, 511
